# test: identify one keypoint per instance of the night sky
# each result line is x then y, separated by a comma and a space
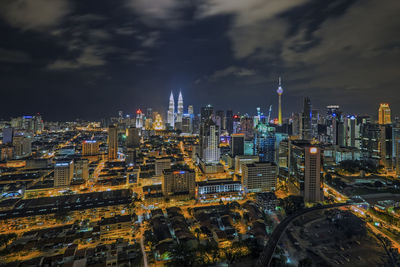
89, 59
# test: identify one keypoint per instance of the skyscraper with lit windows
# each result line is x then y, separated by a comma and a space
112, 142
384, 114
171, 111
179, 114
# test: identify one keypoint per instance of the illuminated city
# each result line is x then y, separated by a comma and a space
211, 133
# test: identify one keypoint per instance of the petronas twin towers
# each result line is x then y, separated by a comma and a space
172, 116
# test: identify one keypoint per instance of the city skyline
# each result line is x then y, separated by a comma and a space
100, 58
200, 133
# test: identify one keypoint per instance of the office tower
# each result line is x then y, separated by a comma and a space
180, 108
8, 134
190, 110
296, 118
131, 155
306, 122
186, 123
112, 142
206, 113
149, 113
283, 154
16, 123
209, 142
139, 119
280, 92
178, 180
229, 121
81, 169
90, 148
158, 124
370, 145
242, 160
6, 152
259, 176
246, 127
333, 116
237, 145
22, 143
133, 136
312, 175
398, 158
385, 145
384, 114
395, 141
162, 164
314, 123
63, 173
351, 131
171, 112
220, 119
264, 143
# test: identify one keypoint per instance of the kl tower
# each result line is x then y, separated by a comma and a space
280, 92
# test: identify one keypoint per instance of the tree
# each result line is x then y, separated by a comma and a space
328, 178
6, 238
306, 262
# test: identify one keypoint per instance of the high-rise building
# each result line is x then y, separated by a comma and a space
8, 134
247, 127
179, 180
385, 145
190, 110
398, 158
171, 112
237, 145
206, 113
22, 143
63, 173
187, 124
112, 142
81, 169
179, 114
264, 143
306, 120
280, 92
220, 119
209, 142
384, 114
90, 148
133, 135
312, 175
370, 142
161, 165
259, 176
229, 121
139, 119
314, 123
158, 124
6, 152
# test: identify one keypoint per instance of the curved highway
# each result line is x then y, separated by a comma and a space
269, 249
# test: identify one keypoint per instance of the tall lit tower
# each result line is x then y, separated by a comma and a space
171, 111
280, 92
180, 108
384, 114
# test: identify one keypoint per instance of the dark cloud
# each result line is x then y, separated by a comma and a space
132, 53
34, 14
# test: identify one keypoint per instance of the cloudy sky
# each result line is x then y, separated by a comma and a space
89, 59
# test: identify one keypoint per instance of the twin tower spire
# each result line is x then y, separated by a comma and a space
171, 110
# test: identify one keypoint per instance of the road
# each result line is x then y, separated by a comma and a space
269, 249
142, 247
